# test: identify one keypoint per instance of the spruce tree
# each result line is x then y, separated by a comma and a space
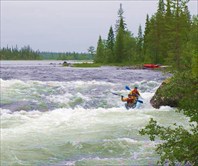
194, 50
130, 55
120, 18
168, 29
99, 58
146, 39
119, 44
160, 32
110, 46
178, 35
140, 44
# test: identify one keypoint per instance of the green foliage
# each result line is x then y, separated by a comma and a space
110, 46
192, 45
189, 88
130, 49
119, 46
186, 93
100, 52
86, 65
178, 144
140, 43
195, 65
120, 22
25, 53
167, 33
91, 51
66, 56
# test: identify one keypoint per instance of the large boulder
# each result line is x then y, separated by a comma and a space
162, 99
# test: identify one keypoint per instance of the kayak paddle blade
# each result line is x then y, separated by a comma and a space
115, 94
140, 101
127, 88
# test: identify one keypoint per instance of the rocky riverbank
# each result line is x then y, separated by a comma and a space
162, 97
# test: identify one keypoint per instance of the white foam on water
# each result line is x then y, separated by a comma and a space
36, 137
5, 111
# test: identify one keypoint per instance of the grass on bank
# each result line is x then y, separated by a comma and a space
112, 64
85, 64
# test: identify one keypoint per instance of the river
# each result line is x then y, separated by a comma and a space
53, 115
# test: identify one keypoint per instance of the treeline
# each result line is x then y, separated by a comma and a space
66, 56
170, 37
25, 53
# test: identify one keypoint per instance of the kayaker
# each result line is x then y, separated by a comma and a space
131, 101
135, 92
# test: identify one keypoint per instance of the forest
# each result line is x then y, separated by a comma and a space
170, 37
14, 53
65, 56
26, 53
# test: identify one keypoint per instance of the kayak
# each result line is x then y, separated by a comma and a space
151, 66
135, 105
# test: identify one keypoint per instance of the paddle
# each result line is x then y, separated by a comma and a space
140, 101
127, 88
116, 94
122, 95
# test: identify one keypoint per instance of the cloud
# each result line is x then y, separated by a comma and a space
66, 25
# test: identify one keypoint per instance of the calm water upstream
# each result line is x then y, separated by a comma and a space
53, 115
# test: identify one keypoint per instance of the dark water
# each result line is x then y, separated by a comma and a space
53, 71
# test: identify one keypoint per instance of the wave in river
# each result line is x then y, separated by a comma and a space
77, 123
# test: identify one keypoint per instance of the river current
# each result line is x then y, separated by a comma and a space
53, 115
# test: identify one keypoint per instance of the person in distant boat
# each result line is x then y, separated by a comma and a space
135, 92
131, 101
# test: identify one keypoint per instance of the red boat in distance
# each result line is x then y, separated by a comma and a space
151, 66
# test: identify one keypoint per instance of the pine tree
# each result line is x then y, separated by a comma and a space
146, 39
140, 44
119, 50
119, 44
194, 41
110, 46
99, 58
110, 39
150, 40
91, 51
154, 36
178, 36
168, 28
130, 55
120, 18
160, 32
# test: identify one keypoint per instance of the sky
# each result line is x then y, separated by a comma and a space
69, 26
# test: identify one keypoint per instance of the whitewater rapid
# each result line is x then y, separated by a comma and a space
69, 116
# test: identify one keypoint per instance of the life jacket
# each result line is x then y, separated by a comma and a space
131, 101
135, 92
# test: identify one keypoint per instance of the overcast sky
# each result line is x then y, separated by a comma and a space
67, 26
